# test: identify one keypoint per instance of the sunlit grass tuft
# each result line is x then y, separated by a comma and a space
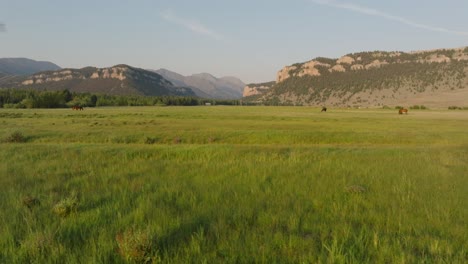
135, 245
66, 206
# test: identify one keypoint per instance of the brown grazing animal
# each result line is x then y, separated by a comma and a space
77, 107
403, 110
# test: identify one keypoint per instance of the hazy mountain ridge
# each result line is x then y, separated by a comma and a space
371, 79
206, 85
24, 66
117, 80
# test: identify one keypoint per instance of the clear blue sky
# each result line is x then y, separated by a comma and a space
249, 39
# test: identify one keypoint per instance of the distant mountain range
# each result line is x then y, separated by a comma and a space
206, 85
117, 80
23, 66
121, 79
434, 78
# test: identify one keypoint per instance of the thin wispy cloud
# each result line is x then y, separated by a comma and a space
377, 13
191, 25
2, 27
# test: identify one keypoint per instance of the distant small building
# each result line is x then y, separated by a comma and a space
208, 104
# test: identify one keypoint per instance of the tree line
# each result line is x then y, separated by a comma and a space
14, 98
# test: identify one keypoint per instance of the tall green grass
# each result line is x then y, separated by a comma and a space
234, 185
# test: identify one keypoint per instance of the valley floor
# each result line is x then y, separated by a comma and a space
233, 185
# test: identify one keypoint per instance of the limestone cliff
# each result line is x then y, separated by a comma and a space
118, 80
375, 60
255, 89
433, 77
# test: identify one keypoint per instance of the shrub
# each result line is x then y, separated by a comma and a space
457, 108
16, 137
150, 140
66, 206
418, 107
36, 245
134, 246
31, 202
8, 105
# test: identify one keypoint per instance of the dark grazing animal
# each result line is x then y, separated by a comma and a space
77, 107
402, 110
324, 109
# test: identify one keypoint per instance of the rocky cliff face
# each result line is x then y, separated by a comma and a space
118, 72
356, 62
118, 80
256, 89
370, 79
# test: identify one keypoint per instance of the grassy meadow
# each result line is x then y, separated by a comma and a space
233, 185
